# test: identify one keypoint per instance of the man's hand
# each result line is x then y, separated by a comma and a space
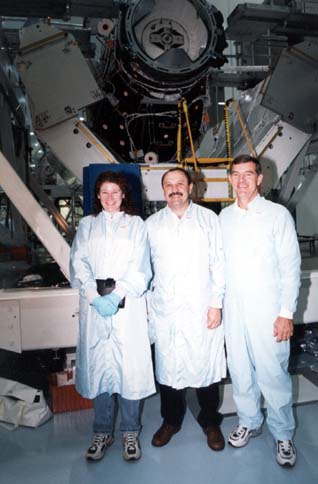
283, 329
214, 318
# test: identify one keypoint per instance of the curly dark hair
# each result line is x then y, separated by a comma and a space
127, 204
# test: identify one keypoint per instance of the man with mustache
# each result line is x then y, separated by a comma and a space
185, 308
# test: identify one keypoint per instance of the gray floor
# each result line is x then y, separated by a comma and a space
53, 453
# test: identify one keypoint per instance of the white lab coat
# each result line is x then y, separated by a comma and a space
262, 273
188, 268
113, 353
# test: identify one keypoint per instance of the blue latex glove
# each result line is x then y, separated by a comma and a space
106, 305
98, 304
113, 298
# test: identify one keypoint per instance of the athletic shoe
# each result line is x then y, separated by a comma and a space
286, 453
131, 446
241, 435
99, 445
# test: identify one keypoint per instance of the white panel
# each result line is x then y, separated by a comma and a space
48, 318
277, 151
49, 321
214, 189
151, 179
55, 73
10, 325
75, 146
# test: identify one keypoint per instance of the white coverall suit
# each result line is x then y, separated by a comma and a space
188, 268
262, 267
113, 353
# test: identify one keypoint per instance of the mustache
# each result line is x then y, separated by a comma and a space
175, 193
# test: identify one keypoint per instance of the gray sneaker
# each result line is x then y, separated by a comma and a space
131, 446
240, 436
99, 445
286, 453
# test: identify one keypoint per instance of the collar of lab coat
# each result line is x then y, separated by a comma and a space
256, 205
187, 213
113, 216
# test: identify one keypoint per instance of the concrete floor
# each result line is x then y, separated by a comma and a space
54, 454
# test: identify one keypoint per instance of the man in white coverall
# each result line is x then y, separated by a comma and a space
184, 308
262, 267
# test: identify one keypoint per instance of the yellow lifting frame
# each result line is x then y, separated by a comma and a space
183, 109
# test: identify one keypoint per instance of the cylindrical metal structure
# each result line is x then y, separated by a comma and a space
169, 45
159, 52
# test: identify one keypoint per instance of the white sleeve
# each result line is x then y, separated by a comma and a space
289, 260
82, 276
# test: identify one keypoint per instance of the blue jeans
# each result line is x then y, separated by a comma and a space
104, 420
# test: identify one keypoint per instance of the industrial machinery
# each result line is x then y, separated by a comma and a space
156, 53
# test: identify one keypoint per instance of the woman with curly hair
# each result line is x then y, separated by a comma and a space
110, 267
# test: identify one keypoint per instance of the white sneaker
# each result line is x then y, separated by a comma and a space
131, 446
241, 435
99, 445
286, 453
